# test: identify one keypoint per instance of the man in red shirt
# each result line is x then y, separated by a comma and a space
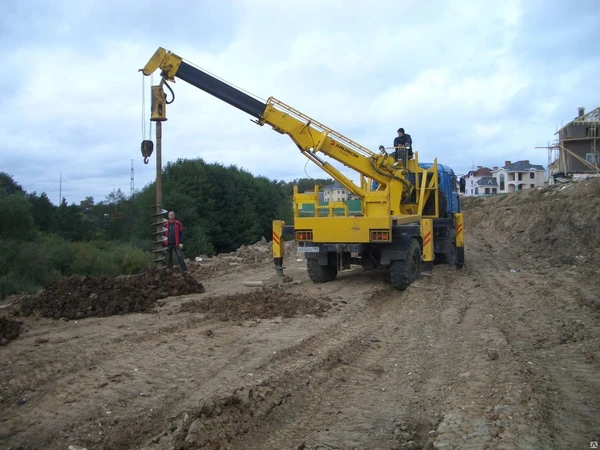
174, 241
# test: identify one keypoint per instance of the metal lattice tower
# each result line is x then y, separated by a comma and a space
131, 183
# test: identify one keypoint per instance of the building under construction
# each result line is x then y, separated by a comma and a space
576, 151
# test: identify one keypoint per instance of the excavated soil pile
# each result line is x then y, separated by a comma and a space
220, 420
559, 223
77, 297
9, 330
262, 251
262, 304
259, 253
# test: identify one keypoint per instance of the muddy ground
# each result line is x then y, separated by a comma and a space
9, 330
78, 297
504, 354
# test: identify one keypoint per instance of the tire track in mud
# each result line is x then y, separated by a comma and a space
285, 379
324, 393
237, 405
390, 379
481, 410
535, 318
479, 400
467, 382
352, 287
478, 358
560, 342
385, 396
85, 375
49, 368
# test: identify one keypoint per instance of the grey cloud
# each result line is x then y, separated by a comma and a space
87, 24
452, 74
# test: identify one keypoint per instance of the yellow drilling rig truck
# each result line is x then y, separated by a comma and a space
409, 212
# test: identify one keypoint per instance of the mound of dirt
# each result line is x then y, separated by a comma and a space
216, 421
77, 297
559, 223
9, 330
259, 253
263, 249
265, 303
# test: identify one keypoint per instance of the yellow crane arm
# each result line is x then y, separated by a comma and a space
309, 135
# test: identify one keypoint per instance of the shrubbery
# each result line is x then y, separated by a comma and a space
29, 266
221, 209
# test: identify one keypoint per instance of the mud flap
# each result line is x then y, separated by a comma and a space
278, 247
460, 257
427, 236
460, 240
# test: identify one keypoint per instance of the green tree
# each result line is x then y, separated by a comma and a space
116, 197
8, 185
308, 184
87, 205
115, 217
70, 223
42, 210
18, 222
221, 207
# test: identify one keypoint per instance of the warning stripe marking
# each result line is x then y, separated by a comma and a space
275, 239
427, 239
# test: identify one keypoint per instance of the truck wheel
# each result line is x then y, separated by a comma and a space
404, 272
450, 253
322, 274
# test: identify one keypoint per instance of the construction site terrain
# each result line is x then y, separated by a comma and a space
504, 354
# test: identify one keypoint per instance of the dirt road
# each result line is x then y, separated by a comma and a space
503, 354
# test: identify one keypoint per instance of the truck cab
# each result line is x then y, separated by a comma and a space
448, 186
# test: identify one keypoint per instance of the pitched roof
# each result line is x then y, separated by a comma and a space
481, 172
487, 181
592, 116
335, 185
522, 166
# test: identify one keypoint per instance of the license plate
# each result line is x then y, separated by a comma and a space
308, 249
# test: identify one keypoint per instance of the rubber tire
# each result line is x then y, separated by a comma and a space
450, 256
404, 272
322, 274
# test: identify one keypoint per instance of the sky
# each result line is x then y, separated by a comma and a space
475, 83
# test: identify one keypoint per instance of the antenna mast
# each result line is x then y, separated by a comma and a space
131, 183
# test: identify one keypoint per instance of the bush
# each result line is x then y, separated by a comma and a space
33, 263
20, 223
133, 260
26, 267
61, 253
197, 242
12, 284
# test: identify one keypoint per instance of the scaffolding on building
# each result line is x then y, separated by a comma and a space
559, 153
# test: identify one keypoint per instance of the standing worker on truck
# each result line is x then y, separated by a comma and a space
174, 235
404, 140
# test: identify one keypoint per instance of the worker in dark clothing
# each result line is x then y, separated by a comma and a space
405, 141
174, 241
